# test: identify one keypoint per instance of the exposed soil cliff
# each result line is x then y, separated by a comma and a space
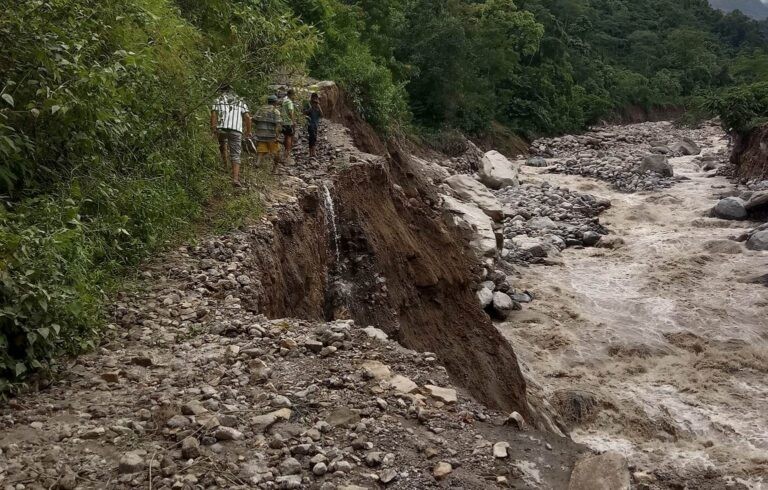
395, 264
750, 154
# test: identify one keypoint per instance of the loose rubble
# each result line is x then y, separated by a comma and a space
542, 220
633, 159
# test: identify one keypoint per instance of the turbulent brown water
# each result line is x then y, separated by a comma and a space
660, 347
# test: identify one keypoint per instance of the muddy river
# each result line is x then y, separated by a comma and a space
657, 349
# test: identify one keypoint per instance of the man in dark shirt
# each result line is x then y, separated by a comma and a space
314, 113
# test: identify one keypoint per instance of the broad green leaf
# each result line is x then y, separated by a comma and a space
9, 99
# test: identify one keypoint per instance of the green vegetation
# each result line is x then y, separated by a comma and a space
106, 154
741, 108
105, 147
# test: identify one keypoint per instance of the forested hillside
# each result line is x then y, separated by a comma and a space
537, 66
103, 111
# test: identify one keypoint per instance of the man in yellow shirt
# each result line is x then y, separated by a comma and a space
267, 128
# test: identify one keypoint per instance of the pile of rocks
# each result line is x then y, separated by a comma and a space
541, 218
497, 294
633, 160
239, 401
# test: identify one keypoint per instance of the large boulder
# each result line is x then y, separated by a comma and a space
502, 305
497, 172
606, 471
431, 170
730, 208
686, 146
480, 227
757, 206
471, 191
758, 241
657, 164
534, 246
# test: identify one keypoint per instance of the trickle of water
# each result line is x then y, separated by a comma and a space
330, 219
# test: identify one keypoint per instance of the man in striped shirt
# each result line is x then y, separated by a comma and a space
229, 116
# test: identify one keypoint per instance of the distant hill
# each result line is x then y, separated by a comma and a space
756, 9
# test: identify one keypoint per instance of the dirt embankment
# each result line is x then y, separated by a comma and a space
750, 154
398, 266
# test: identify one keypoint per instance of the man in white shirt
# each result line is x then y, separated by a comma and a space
229, 116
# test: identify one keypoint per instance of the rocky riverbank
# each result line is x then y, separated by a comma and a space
631, 158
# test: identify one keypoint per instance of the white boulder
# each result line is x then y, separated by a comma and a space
473, 219
497, 172
471, 191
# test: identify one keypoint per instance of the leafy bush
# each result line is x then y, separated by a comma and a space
741, 108
106, 151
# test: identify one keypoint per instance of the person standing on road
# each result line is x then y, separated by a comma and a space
267, 129
288, 110
314, 113
230, 121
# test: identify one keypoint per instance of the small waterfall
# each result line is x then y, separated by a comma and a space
330, 219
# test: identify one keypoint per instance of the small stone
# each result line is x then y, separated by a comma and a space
313, 346
289, 344
441, 470
485, 296
228, 434
515, 419
290, 466
446, 395
288, 482
500, 450
343, 416
374, 458
263, 422
111, 376
190, 448
93, 433
193, 407
375, 333
388, 476
280, 401
377, 370
343, 466
178, 422
143, 361
320, 469
130, 463
403, 384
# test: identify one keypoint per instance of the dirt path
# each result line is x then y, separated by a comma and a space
658, 349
